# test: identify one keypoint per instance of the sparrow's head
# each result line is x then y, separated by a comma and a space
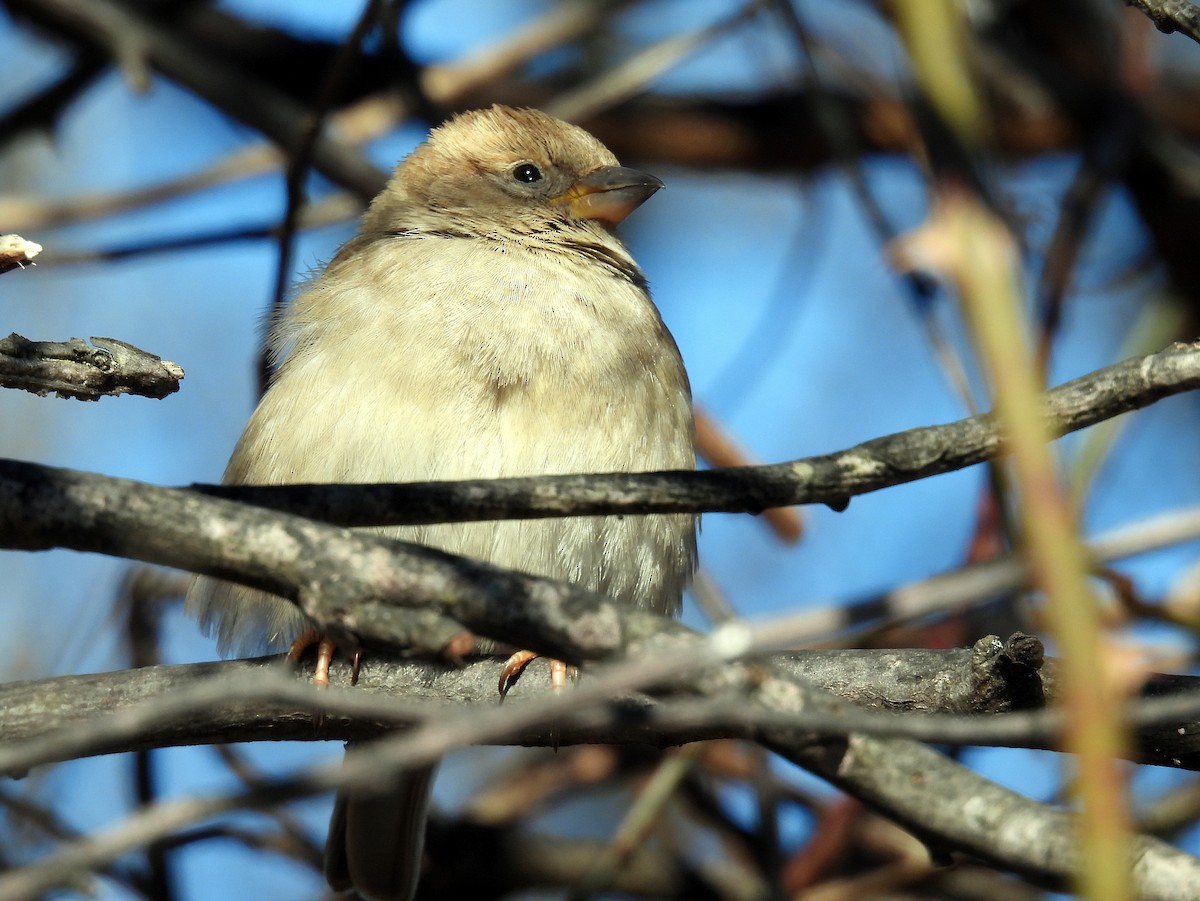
504, 169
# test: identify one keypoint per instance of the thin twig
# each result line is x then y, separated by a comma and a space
829, 478
620, 82
299, 162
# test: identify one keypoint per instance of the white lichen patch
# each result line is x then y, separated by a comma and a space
17, 250
267, 540
857, 466
803, 471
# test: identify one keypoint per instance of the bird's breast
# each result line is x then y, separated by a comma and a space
542, 362
443, 366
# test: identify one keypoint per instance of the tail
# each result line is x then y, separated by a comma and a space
376, 839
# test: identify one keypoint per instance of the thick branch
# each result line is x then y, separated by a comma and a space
983, 680
164, 706
910, 783
73, 369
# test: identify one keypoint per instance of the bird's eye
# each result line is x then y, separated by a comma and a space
527, 173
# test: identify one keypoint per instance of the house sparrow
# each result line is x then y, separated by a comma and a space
484, 322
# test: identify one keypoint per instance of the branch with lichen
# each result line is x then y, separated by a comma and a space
77, 370
17, 252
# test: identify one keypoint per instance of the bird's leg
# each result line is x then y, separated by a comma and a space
325, 651
515, 666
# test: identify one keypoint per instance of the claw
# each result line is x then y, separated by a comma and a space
515, 666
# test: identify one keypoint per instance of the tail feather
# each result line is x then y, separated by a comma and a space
376, 840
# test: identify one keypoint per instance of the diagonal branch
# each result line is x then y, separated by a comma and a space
1171, 15
344, 580
136, 42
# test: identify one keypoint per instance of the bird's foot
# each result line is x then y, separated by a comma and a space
515, 666
326, 648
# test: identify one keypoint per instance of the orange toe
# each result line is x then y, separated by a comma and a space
515, 666
325, 652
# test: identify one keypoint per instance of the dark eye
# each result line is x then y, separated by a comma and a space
527, 173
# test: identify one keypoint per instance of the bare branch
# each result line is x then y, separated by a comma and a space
794, 717
829, 478
258, 700
136, 42
621, 82
343, 579
909, 783
448, 84
941, 695
73, 369
1171, 15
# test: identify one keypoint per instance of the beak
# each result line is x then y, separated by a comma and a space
609, 194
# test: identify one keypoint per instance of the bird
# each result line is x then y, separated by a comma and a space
484, 322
